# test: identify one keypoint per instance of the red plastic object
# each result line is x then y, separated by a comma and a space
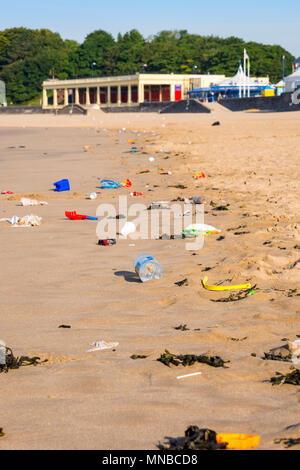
74, 216
7, 192
136, 194
127, 183
200, 175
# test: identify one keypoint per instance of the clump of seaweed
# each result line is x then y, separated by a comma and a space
181, 327
292, 378
189, 359
12, 362
283, 353
287, 441
195, 439
2, 434
138, 356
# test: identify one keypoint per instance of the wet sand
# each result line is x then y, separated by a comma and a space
57, 274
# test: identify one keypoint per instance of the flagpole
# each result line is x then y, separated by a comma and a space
244, 87
248, 77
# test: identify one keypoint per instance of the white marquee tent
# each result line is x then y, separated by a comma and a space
292, 82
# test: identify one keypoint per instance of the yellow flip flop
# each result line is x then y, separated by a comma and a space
220, 288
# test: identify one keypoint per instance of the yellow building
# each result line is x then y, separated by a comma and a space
128, 90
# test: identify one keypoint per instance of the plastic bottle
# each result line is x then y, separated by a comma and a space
147, 268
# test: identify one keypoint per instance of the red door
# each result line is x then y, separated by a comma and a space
178, 93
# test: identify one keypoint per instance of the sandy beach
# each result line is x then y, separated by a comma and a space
56, 274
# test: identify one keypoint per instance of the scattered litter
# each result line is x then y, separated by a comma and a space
189, 359
221, 208
235, 297
147, 268
195, 439
165, 236
137, 356
198, 200
7, 192
283, 353
188, 375
184, 282
107, 242
74, 216
221, 288
62, 185
93, 196
127, 229
239, 339
287, 441
127, 183
292, 378
181, 328
12, 362
238, 441
110, 184
101, 345
194, 230
26, 221
135, 193
200, 175
31, 202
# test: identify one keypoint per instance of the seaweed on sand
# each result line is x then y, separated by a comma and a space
2, 434
189, 359
292, 378
235, 297
195, 439
12, 362
287, 441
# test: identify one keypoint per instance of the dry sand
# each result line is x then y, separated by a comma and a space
56, 274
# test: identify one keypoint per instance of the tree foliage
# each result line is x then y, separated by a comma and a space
28, 57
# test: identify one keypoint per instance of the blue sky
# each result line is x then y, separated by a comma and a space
269, 22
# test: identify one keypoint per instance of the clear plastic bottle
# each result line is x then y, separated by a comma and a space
147, 267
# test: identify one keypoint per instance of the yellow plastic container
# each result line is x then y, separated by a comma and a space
267, 92
238, 441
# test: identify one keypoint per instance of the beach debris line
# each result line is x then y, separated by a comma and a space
12, 362
147, 267
292, 378
168, 358
194, 439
